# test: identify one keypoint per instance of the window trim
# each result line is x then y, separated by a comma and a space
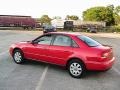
86, 43
75, 43
71, 44
53, 39
34, 41
61, 35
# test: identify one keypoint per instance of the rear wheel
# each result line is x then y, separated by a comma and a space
76, 68
18, 56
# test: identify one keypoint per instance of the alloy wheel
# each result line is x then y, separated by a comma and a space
75, 69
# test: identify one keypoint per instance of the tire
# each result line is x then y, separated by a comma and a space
18, 56
76, 68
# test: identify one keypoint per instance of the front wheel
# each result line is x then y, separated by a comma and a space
18, 56
76, 69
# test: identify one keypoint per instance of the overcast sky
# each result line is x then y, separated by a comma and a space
37, 8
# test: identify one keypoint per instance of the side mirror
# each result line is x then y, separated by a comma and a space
34, 42
30, 42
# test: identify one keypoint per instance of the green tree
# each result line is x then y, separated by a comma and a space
111, 7
45, 19
117, 15
117, 10
99, 14
117, 19
72, 17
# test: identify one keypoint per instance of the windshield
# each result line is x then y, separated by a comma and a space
49, 27
89, 41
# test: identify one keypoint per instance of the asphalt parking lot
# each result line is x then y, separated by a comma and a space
40, 76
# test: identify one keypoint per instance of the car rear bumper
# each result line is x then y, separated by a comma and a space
100, 65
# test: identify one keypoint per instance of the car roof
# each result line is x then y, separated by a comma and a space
66, 33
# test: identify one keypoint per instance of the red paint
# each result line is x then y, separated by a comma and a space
92, 57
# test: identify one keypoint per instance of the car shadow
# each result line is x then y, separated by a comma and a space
38, 63
56, 68
93, 74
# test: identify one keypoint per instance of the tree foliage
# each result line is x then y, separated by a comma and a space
117, 19
45, 19
99, 14
117, 10
72, 17
117, 15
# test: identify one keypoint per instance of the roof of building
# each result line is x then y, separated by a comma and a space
15, 15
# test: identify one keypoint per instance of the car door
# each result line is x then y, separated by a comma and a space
60, 49
38, 50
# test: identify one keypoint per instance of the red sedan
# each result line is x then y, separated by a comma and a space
76, 52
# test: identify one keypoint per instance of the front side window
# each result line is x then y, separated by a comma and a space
61, 40
89, 41
44, 40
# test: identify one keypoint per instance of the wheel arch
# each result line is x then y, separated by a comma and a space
75, 58
17, 49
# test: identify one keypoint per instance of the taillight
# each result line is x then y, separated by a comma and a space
105, 55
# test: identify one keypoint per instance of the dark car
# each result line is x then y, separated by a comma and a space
48, 28
68, 25
92, 30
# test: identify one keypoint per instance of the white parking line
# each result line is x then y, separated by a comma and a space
38, 87
3, 53
116, 70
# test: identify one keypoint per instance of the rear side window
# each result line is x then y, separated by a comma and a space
62, 40
89, 41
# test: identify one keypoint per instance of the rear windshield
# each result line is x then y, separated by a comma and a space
89, 41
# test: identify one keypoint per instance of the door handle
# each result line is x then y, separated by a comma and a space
66, 51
